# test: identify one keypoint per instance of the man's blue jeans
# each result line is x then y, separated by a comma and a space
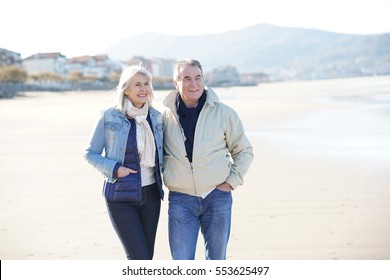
189, 213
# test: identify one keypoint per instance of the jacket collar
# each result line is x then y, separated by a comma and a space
118, 113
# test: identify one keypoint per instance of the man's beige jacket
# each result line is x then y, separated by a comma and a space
221, 152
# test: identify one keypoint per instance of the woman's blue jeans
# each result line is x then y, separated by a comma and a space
136, 223
188, 214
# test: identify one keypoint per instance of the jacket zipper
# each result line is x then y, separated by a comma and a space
184, 138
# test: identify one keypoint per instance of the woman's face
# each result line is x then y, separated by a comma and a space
139, 90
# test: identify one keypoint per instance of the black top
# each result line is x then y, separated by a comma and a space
188, 118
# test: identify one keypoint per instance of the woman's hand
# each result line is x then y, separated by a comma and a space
225, 187
124, 171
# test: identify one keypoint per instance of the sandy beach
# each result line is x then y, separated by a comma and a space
318, 189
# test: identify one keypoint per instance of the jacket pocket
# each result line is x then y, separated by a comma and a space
112, 130
124, 189
128, 183
113, 126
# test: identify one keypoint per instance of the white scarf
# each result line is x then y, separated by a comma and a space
145, 137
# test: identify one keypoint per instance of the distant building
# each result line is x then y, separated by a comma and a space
98, 67
223, 76
162, 68
8, 58
159, 67
54, 63
106, 66
135, 60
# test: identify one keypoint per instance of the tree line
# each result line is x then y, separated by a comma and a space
17, 74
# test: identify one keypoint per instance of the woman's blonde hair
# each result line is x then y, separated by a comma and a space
125, 81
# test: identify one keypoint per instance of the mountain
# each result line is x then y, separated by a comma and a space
282, 52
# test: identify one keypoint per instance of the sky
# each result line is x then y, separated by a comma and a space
81, 27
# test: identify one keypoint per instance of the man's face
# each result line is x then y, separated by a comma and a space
190, 85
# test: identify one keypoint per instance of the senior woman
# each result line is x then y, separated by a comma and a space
126, 147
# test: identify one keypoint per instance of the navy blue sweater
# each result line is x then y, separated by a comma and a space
118, 192
188, 118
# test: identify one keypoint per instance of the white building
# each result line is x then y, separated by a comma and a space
223, 76
162, 68
54, 63
97, 67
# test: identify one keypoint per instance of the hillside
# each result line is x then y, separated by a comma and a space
288, 53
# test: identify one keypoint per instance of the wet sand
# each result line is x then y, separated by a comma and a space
319, 187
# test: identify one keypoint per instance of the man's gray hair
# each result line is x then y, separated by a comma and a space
183, 63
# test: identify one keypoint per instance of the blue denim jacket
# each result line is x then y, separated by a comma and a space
110, 135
